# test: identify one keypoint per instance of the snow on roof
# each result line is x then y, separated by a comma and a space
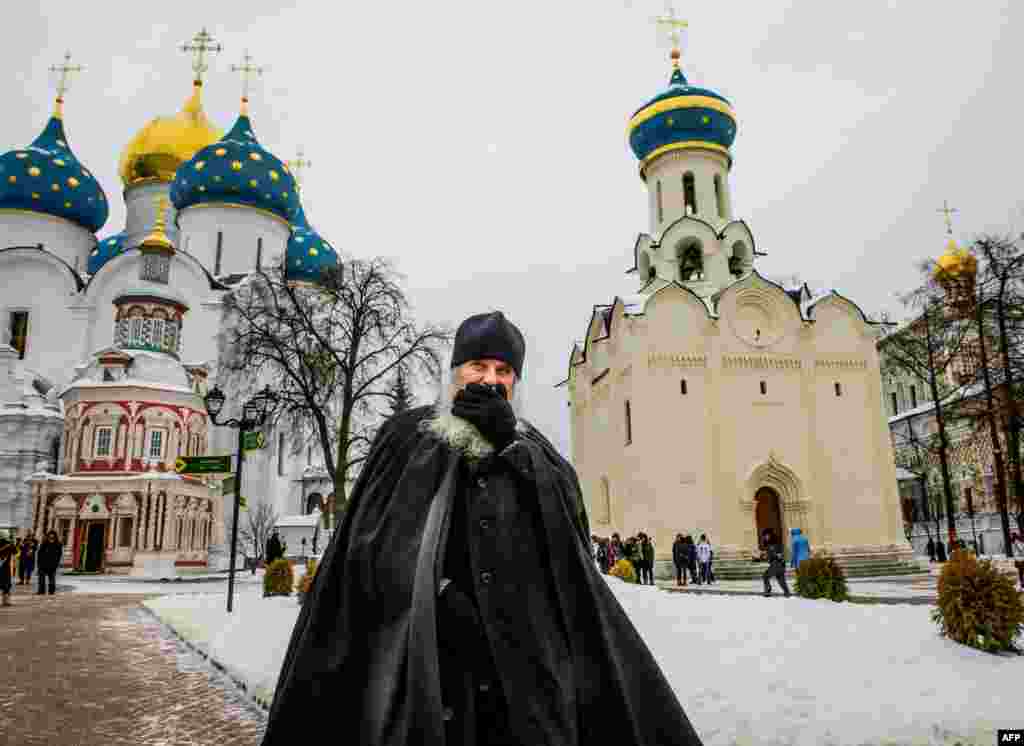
299, 521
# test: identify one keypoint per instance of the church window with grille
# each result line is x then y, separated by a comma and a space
661, 213
158, 332
839, 388
764, 387
689, 193
156, 444
913, 397
895, 403
682, 387
629, 424
259, 253
135, 331
104, 440
19, 332
719, 196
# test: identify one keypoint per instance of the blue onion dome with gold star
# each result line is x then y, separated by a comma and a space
680, 117
308, 253
47, 178
236, 170
104, 251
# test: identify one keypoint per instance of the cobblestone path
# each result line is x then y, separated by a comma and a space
97, 670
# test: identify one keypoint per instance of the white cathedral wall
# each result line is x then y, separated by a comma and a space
689, 466
69, 241
242, 229
33, 282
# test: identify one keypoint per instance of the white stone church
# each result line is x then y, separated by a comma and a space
712, 400
105, 349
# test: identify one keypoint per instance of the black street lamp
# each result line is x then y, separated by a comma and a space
254, 415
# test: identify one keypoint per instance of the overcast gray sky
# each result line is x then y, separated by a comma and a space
482, 145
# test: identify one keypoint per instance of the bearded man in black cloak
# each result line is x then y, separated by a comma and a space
457, 603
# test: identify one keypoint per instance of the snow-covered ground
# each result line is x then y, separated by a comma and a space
747, 670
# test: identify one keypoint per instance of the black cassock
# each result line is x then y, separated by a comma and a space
364, 653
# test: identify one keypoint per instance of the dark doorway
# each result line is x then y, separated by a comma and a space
94, 546
768, 514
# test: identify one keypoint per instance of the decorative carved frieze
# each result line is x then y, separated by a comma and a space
841, 363
676, 360
761, 362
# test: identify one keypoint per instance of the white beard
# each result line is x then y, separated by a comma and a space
461, 435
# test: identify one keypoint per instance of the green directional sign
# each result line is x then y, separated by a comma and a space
253, 441
203, 465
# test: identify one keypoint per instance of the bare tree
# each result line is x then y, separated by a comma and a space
928, 349
255, 526
331, 352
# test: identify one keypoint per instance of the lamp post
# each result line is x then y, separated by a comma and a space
254, 415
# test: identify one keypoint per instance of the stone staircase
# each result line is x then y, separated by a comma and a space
854, 566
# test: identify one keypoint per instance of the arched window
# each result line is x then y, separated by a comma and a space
719, 196
313, 502
689, 193
691, 262
604, 509
661, 213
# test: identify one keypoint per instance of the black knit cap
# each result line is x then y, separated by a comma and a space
489, 336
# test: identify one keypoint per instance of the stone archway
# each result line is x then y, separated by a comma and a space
767, 513
773, 478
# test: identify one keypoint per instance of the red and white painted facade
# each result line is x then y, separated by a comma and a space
118, 504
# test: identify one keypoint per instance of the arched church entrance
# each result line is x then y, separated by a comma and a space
95, 541
767, 513
314, 502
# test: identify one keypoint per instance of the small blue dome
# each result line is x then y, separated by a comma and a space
682, 116
308, 254
46, 177
105, 250
236, 170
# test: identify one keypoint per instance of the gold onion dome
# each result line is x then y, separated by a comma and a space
159, 148
955, 262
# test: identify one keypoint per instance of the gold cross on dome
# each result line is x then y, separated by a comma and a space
948, 211
673, 26
201, 44
64, 82
248, 71
297, 166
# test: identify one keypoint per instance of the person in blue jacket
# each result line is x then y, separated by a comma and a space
801, 548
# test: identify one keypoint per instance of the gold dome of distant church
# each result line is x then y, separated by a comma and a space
164, 143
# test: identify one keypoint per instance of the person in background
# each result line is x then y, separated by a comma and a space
703, 558
27, 560
618, 551
679, 559
930, 548
647, 553
1018, 554
776, 566
48, 560
801, 548
691, 559
940, 551
7, 553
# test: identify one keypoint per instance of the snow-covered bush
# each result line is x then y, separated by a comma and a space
624, 569
821, 577
278, 579
978, 606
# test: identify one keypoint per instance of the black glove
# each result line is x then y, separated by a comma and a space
459, 629
489, 410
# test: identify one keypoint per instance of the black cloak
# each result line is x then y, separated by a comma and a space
364, 654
